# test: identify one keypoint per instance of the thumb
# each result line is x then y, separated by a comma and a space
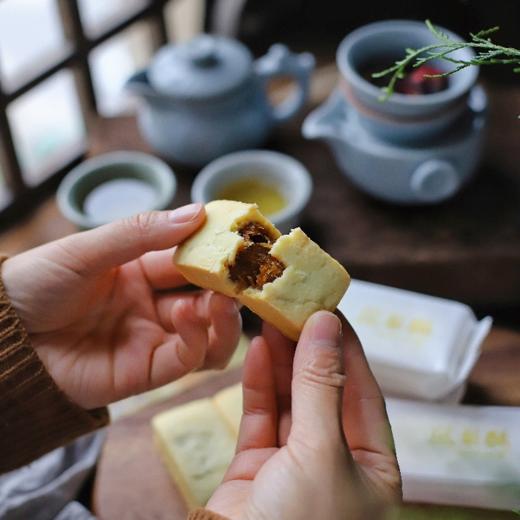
318, 380
124, 240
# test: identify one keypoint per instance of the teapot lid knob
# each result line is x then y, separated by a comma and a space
203, 52
205, 67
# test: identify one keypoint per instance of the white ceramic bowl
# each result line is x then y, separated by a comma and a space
80, 182
287, 174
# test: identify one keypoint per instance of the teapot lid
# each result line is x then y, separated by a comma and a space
205, 67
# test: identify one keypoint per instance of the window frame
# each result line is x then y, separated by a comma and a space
22, 196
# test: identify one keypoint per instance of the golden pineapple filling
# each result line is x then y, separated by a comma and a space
254, 266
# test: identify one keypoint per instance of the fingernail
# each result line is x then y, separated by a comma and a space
185, 214
325, 329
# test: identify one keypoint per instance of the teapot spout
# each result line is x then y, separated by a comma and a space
326, 121
139, 85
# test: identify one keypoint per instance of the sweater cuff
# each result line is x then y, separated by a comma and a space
204, 514
35, 415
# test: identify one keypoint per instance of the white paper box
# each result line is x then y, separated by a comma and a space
458, 455
417, 345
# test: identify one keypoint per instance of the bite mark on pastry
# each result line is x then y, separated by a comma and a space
282, 278
254, 266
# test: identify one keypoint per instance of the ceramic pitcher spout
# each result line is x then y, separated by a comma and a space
139, 85
327, 121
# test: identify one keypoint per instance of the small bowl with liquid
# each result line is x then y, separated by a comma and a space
113, 186
279, 184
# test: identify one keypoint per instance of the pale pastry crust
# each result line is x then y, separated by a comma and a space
197, 444
312, 280
229, 404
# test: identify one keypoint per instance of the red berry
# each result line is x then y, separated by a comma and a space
418, 82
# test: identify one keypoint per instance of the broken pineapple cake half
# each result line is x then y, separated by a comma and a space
282, 278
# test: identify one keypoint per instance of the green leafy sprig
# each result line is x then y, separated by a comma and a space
486, 53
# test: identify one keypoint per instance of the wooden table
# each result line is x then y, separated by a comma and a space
468, 249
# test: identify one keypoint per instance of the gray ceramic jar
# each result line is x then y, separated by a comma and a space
410, 149
207, 97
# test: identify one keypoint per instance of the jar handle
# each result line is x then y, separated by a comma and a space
279, 61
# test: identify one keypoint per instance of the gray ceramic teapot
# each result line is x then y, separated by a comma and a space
206, 97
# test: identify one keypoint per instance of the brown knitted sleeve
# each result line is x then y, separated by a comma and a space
204, 514
35, 415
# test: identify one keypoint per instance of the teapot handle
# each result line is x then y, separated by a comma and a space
279, 61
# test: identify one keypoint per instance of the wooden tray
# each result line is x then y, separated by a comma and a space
132, 482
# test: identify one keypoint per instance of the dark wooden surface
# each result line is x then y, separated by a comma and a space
467, 248
132, 478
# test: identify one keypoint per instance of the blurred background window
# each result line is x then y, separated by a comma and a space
114, 61
99, 15
63, 62
4, 192
31, 38
47, 126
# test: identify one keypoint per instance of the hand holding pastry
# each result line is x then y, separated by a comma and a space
315, 441
104, 312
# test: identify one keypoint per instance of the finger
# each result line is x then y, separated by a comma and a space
160, 271
258, 427
224, 332
282, 355
165, 301
217, 312
318, 380
114, 244
186, 349
365, 419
